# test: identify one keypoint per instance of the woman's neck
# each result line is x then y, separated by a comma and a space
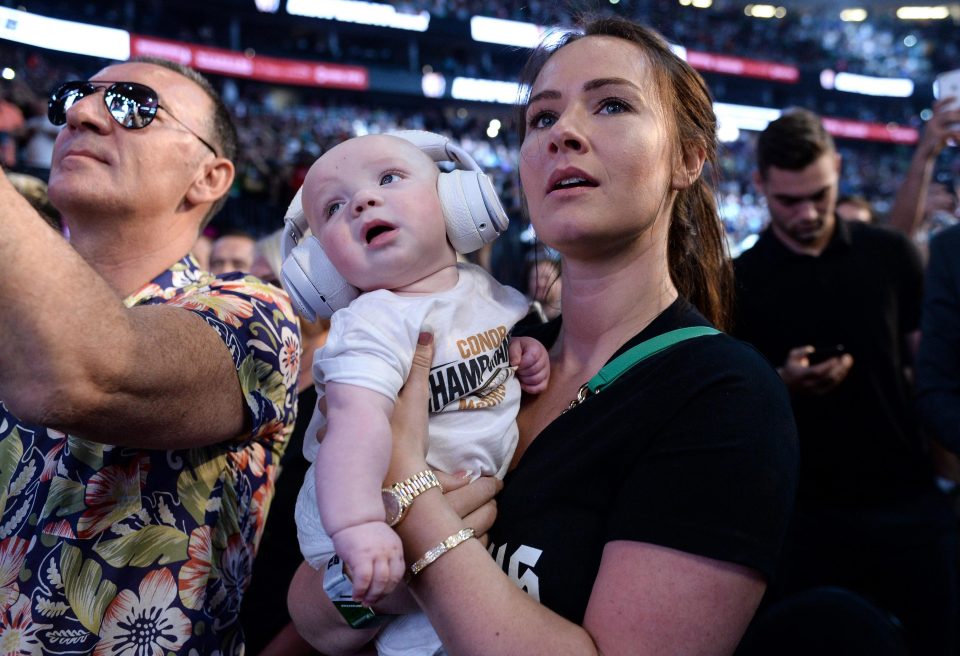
605, 304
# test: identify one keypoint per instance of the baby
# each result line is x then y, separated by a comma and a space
373, 205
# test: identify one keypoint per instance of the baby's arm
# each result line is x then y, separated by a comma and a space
532, 362
351, 463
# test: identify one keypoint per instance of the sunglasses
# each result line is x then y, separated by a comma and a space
130, 104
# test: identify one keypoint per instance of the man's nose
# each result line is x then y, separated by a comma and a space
806, 209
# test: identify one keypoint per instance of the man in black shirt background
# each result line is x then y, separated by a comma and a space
836, 307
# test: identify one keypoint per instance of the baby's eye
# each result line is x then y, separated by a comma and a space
333, 208
542, 120
388, 178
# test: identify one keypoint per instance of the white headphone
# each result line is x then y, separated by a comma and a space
471, 207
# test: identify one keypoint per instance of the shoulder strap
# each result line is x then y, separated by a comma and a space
625, 361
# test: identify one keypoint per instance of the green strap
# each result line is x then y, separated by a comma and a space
613, 370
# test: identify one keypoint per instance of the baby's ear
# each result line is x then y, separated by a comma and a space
688, 167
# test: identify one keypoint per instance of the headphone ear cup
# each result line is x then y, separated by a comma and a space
315, 286
471, 208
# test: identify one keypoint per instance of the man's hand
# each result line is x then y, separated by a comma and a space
801, 377
374, 555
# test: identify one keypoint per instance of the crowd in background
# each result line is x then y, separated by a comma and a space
282, 129
881, 45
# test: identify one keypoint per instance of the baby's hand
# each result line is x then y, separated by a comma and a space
374, 555
532, 362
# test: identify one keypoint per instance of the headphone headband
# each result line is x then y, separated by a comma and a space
439, 148
294, 225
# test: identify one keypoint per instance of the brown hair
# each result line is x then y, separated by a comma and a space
697, 254
792, 142
224, 131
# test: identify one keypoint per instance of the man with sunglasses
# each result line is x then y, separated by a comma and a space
144, 404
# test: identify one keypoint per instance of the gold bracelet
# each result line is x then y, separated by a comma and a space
457, 538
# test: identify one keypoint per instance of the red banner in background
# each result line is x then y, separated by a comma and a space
265, 69
706, 61
291, 71
891, 133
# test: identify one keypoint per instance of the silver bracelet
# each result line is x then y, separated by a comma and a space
457, 538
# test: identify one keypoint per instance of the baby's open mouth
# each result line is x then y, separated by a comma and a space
376, 231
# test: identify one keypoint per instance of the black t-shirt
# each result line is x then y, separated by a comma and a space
859, 443
694, 449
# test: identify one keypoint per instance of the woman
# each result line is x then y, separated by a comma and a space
647, 518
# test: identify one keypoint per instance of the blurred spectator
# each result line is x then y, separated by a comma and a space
854, 208
269, 260
907, 212
38, 135
543, 287
942, 206
234, 250
264, 615
201, 250
869, 516
11, 124
35, 191
938, 364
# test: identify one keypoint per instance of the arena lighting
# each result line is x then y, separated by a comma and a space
433, 85
743, 117
512, 33
8, 73
853, 15
761, 11
62, 35
267, 6
466, 88
702, 4
891, 87
923, 13
727, 133
364, 13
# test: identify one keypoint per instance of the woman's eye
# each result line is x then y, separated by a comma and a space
542, 120
388, 178
613, 106
333, 208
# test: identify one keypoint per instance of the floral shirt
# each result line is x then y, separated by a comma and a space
117, 550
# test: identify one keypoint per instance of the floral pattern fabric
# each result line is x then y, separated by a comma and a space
111, 550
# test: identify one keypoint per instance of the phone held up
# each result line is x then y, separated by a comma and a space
948, 84
824, 353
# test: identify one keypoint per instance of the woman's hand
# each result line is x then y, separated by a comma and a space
408, 424
472, 500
